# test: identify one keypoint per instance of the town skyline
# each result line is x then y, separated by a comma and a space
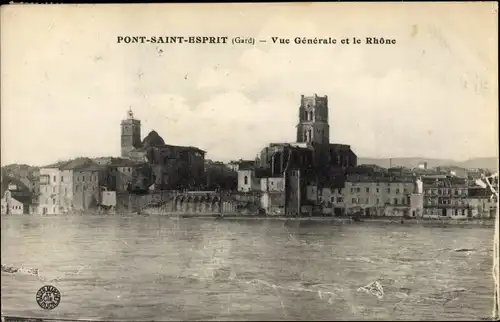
432, 95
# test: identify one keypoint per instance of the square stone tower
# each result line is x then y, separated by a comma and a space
313, 124
131, 134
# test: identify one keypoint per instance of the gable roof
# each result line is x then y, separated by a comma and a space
76, 164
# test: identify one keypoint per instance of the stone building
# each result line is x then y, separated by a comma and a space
481, 203
366, 195
173, 167
70, 186
311, 161
318, 159
247, 179
16, 197
126, 175
445, 196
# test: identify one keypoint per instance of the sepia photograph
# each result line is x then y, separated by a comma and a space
249, 162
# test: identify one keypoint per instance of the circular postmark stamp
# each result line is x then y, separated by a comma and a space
48, 297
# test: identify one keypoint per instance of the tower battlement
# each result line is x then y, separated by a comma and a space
313, 100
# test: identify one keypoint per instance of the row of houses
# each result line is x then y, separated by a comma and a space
440, 196
84, 184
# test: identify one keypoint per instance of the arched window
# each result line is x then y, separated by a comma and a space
245, 180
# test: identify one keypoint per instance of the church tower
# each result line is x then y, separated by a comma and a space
131, 134
313, 120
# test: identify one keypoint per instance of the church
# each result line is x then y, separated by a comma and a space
321, 161
173, 167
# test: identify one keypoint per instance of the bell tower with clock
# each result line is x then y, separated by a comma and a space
313, 125
131, 134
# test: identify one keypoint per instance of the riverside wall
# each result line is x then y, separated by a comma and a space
190, 202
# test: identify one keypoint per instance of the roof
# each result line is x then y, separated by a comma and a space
372, 178
246, 165
296, 146
124, 163
77, 164
478, 192
153, 139
169, 146
334, 146
86, 164
22, 198
56, 165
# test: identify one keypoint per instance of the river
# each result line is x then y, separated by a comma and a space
157, 268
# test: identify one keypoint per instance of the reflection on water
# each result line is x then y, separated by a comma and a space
156, 268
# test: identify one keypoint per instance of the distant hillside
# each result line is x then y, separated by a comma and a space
26, 174
490, 163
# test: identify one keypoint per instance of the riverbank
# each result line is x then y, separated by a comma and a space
487, 222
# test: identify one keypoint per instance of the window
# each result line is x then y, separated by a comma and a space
332, 199
388, 190
378, 190
353, 200
395, 201
340, 199
55, 179
378, 201
53, 189
53, 201
359, 189
367, 189
397, 190
245, 180
352, 189
62, 179
83, 178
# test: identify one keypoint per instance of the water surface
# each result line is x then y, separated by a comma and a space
156, 268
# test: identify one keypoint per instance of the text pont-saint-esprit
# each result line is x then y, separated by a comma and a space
253, 41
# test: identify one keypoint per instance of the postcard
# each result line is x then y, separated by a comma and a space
251, 161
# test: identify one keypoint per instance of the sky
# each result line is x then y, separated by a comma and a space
66, 83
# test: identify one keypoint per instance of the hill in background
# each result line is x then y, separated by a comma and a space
490, 163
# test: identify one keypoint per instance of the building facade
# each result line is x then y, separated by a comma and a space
11, 206
70, 186
126, 175
247, 180
87, 182
445, 197
481, 203
49, 195
368, 196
